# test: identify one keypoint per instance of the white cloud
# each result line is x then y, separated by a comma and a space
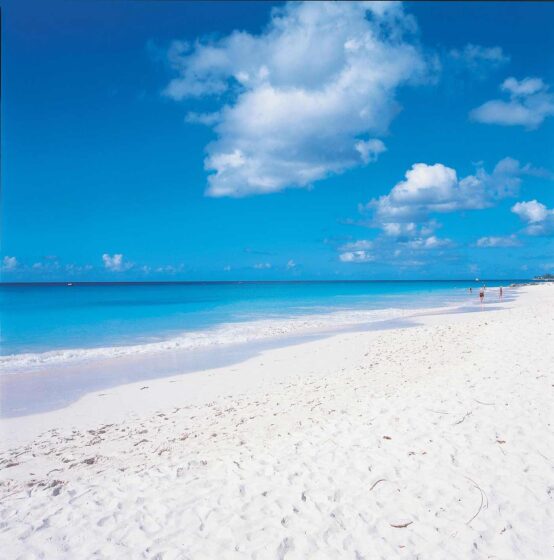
492, 241
539, 218
356, 257
531, 211
408, 229
431, 242
405, 251
426, 184
305, 98
529, 104
262, 266
370, 149
291, 264
527, 86
9, 263
52, 265
360, 245
115, 262
429, 189
476, 56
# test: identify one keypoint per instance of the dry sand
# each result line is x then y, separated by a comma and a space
431, 442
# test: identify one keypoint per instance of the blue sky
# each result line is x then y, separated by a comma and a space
224, 141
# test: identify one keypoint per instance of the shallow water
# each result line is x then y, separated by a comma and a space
36, 319
53, 386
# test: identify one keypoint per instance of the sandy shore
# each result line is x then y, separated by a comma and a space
428, 442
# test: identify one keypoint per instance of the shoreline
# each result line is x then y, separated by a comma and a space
72, 389
239, 331
430, 440
227, 333
60, 383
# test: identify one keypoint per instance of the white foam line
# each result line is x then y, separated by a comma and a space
228, 333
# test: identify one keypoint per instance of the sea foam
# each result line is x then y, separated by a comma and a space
224, 334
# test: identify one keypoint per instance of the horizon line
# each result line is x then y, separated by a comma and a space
144, 282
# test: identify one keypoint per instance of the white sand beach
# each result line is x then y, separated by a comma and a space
430, 442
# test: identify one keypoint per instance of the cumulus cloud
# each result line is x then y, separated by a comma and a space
431, 242
356, 257
492, 241
539, 218
115, 262
304, 99
527, 86
370, 149
529, 104
407, 229
531, 211
9, 263
356, 251
360, 245
291, 264
49, 267
398, 252
435, 189
477, 57
262, 266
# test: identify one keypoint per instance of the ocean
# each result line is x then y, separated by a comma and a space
60, 342
39, 319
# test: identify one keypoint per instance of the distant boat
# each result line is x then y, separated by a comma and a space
476, 279
70, 283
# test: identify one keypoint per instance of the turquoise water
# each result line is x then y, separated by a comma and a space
43, 318
60, 342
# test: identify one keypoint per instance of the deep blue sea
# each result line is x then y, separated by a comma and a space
44, 318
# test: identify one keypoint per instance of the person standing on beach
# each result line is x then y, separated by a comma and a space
500, 293
482, 294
